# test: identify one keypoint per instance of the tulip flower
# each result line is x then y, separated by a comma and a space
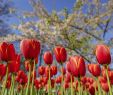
37, 84
53, 70
103, 54
8, 83
21, 77
41, 70
94, 69
7, 52
59, 79
105, 87
60, 54
30, 48
2, 70
14, 65
76, 66
48, 58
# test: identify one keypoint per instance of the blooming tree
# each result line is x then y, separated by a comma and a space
78, 31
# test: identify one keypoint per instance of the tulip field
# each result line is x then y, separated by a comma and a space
67, 77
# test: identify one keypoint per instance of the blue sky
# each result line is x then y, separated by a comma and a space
50, 5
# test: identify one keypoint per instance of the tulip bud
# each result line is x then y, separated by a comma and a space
41, 70
48, 58
103, 54
30, 48
77, 66
60, 54
94, 69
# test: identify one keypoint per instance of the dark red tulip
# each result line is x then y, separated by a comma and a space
21, 77
60, 54
91, 90
7, 52
48, 58
66, 85
2, 70
14, 66
37, 84
30, 48
77, 65
59, 79
102, 79
53, 70
94, 69
105, 86
41, 70
103, 54
8, 83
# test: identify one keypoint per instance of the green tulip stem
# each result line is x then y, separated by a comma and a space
108, 82
32, 85
28, 83
13, 83
49, 82
99, 89
71, 85
5, 82
62, 90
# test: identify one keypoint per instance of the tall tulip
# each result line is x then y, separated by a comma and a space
48, 58
7, 51
14, 65
104, 57
77, 66
103, 54
94, 69
2, 70
30, 48
60, 54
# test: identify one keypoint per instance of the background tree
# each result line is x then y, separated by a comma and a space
79, 31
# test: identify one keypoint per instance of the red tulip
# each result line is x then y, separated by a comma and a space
94, 69
43, 81
8, 83
77, 65
41, 70
37, 84
66, 85
30, 48
7, 51
60, 54
14, 66
91, 90
102, 79
58, 79
48, 58
105, 87
21, 77
103, 54
53, 70
2, 70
